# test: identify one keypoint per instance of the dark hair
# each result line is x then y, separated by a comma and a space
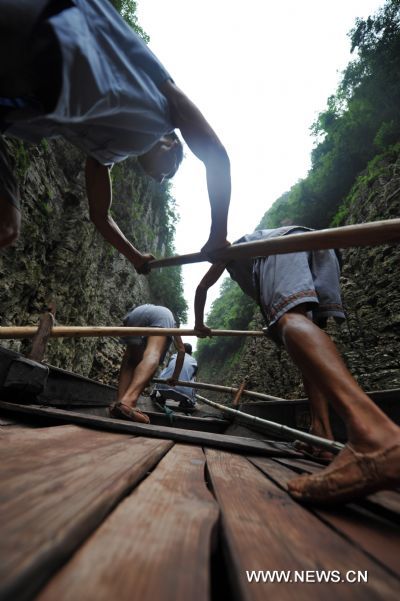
178, 152
188, 348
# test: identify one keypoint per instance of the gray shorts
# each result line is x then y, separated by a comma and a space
148, 316
311, 277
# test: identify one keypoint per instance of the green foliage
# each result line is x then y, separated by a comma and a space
166, 284
361, 119
146, 212
232, 310
22, 160
376, 168
166, 289
127, 10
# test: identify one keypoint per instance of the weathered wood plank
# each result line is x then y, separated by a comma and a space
388, 500
302, 465
266, 530
378, 537
26, 449
154, 547
47, 512
231, 443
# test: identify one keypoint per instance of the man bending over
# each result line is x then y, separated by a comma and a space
296, 293
142, 357
75, 69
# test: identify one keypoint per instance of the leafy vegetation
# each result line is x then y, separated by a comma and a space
362, 119
166, 285
127, 10
232, 310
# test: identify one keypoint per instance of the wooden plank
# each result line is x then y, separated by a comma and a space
27, 449
302, 465
156, 544
387, 500
378, 537
266, 530
47, 512
231, 443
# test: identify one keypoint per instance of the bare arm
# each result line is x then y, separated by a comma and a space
179, 361
98, 188
205, 144
212, 276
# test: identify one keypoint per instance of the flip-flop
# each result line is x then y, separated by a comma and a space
122, 411
313, 452
363, 474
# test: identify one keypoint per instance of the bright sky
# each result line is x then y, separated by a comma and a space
260, 72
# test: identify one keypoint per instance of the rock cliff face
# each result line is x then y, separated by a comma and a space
60, 256
369, 339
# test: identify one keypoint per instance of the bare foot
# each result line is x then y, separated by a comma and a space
352, 474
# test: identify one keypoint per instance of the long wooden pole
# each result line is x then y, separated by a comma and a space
219, 388
269, 426
12, 332
363, 234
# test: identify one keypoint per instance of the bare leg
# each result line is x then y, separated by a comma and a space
132, 357
370, 432
320, 424
135, 375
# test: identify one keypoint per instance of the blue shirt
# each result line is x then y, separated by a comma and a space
110, 104
188, 371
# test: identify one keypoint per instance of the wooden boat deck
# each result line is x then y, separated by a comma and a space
89, 514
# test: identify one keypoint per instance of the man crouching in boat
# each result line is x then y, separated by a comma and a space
142, 357
296, 293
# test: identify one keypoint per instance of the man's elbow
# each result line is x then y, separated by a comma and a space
219, 156
100, 220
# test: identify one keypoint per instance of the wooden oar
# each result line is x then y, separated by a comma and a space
219, 388
12, 332
363, 234
269, 426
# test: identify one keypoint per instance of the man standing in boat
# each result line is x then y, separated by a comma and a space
142, 357
296, 293
75, 69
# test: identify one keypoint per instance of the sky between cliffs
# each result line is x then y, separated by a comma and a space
260, 72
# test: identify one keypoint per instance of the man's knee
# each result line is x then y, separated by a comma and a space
153, 359
155, 349
293, 320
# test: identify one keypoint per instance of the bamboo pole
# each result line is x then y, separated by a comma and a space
219, 388
363, 234
268, 426
13, 332
239, 393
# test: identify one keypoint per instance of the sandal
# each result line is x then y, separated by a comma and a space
363, 474
123, 411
